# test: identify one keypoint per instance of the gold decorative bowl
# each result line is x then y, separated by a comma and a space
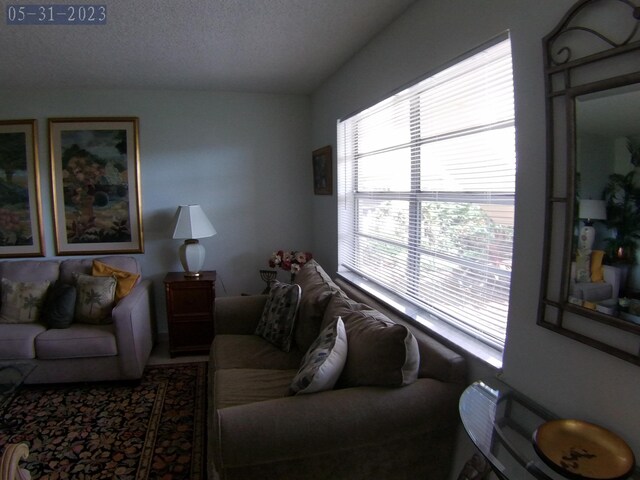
582, 450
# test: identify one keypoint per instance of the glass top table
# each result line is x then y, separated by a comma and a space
501, 421
12, 376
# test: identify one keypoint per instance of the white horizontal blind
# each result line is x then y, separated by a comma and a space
426, 187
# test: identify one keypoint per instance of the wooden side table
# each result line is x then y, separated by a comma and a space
190, 304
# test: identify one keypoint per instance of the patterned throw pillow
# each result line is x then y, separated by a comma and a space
125, 280
22, 301
583, 265
323, 363
95, 299
279, 315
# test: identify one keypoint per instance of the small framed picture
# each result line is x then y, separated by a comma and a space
20, 207
322, 171
95, 169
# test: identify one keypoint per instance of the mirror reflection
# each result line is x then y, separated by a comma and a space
604, 271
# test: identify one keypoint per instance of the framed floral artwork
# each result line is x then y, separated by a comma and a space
322, 171
95, 168
20, 207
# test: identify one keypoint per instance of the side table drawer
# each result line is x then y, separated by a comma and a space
190, 300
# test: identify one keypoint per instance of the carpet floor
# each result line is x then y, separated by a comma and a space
151, 430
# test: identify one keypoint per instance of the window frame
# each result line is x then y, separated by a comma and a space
439, 322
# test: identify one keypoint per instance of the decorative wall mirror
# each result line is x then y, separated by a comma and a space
591, 275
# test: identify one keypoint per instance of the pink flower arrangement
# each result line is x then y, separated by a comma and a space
289, 261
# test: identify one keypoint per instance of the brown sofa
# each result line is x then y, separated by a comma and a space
367, 426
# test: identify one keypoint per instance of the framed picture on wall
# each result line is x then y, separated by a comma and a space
322, 171
20, 207
95, 169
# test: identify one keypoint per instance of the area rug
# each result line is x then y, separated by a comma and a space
151, 430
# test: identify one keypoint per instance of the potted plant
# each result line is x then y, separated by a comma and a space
623, 217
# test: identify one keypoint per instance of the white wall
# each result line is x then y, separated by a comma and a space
568, 377
245, 158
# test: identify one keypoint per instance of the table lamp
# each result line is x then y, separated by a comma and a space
590, 210
191, 223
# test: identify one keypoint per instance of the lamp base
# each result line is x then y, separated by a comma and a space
191, 257
587, 236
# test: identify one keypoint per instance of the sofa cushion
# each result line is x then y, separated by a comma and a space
323, 363
94, 299
233, 387
251, 351
30, 270
279, 315
380, 351
72, 266
592, 292
338, 306
17, 342
125, 280
22, 301
77, 341
59, 306
317, 290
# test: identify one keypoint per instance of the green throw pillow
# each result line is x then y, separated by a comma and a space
22, 301
95, 299
59, 308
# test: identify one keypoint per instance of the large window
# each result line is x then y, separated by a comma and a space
426, 187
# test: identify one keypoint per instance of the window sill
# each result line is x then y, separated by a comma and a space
427, 321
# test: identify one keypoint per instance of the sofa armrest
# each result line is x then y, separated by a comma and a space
319, 423
134, 329
238, 315
613, 275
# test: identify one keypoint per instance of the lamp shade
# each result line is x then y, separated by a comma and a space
593, 209
191, 222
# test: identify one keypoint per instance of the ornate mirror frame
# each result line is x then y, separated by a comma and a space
594, 48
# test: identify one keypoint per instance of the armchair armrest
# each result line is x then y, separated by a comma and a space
134, 329
319, 423
238, 315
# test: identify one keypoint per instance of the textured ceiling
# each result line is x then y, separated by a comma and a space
280, 46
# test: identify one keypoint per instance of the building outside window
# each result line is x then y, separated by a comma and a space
426, 190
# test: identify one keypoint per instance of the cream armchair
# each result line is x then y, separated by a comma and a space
609, 289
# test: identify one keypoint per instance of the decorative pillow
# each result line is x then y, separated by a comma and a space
125, 280
22, 301
323, 363
583, 265
381, 352
59, 306
597, 270
279, 315
95, 299
317, 289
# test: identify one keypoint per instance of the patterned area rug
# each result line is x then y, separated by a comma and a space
152, 430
